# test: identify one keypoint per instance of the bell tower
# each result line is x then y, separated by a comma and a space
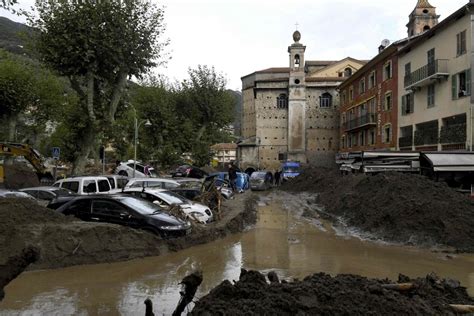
422, 18
296, 101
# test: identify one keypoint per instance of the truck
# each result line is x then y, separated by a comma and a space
290, 169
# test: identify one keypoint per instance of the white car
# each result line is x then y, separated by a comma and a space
199, 212
158, 183
141, 170
85, 185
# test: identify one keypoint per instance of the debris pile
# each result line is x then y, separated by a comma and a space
396, 207
321, 294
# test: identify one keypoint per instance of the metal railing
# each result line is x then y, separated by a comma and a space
428, 70
405, 141
426, 136
365, 119
454, 133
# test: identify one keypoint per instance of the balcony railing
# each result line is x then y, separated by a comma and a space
405, 141
367, 119
423, 75
452, 134
426, 136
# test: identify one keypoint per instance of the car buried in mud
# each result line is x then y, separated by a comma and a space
128, 211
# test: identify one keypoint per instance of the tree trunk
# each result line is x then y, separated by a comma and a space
87, 144
201, 132
12, 123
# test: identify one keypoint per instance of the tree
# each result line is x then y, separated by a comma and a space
97, 45
28, 91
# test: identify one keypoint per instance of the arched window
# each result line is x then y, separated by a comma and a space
426, 28
282, 101
297, 60
325, 100
347, 72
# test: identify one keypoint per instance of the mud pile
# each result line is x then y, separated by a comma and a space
65, 241
321, 294
19, 176
396, 207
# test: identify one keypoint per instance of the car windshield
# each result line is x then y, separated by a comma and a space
173, 198
291, 169
258, 175
142, 206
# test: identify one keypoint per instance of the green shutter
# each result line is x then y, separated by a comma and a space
404, 104
454, 87
468, 82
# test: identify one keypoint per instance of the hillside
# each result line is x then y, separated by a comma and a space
13, 35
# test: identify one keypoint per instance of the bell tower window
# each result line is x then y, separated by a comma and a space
297, 60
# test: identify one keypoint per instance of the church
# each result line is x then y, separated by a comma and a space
292, 113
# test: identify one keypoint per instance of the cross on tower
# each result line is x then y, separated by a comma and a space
296, 25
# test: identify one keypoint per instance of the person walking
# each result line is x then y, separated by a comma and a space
232, 176
277, 177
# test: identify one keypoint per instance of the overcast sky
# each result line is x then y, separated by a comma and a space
239, 37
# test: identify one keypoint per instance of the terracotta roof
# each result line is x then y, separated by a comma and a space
324, 79
320, 62
423, 4
274, 70
224, 146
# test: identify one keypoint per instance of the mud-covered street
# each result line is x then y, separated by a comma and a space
283, 240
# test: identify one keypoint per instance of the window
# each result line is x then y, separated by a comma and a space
297, 60
431, 61
372, 137
408, 105
343, 97
89, 186
104, 185
325, 100
372, 103
107, 209
351, 94
347, 72
461, 84
387, 70
282, 101
71, 185
431, 95
349, 141
362, 86
388, 101
407, 69
387, 133
343, 142
362, 138
372, 80
461, 43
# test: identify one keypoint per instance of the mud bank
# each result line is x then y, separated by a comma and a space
321, 294
394, 207
64, 241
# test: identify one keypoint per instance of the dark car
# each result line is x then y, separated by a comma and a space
261, 180
48, 193
189, 172
128, 211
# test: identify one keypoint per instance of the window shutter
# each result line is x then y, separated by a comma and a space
458, 44
412, 102
454, 87
468, 82
404, 105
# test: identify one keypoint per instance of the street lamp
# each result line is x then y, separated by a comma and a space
137, 126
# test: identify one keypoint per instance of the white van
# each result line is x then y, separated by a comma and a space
85, 185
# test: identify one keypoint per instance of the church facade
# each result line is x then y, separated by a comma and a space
292, 113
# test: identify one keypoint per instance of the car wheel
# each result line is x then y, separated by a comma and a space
123, 173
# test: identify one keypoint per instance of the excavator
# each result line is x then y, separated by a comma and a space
30, 154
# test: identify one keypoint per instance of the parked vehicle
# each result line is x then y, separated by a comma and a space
221, 184
242, 182
117, 182
261, 180
85, 185
48, 194
128, 211
189, 182
200, 213
159, 183
290, 169
14, 194
141, 170
189, 172
188, 193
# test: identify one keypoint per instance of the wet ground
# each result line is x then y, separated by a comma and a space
281, 241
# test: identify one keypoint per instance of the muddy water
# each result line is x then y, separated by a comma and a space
281, 241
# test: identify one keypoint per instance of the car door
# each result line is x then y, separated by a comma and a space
109, 211
79, 208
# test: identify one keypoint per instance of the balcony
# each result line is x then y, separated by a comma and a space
426, 136
453, 134
427, 74
360, 122
405, 141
